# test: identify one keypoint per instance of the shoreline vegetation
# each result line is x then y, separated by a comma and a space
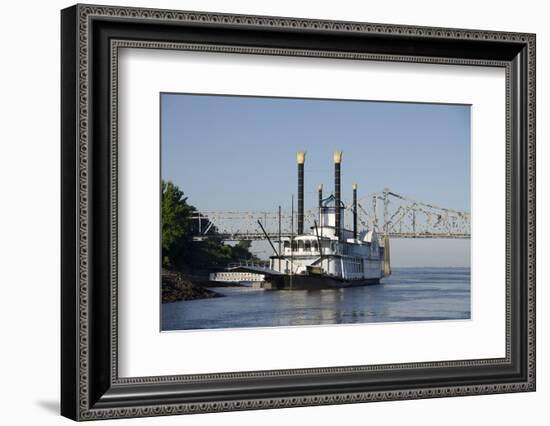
177, 286
186, 264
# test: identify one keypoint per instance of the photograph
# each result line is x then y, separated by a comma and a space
264, 209
279, 212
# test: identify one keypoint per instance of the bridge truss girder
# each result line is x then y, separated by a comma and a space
387, 212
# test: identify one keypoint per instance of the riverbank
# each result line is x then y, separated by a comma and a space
177, 286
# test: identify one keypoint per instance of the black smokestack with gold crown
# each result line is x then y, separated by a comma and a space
337, 210
354, 187
300, 159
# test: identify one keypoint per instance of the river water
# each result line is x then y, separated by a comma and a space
409, 294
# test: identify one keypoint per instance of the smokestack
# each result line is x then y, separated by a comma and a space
354, 187
300, 159
337, 160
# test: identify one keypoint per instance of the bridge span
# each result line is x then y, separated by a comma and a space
387, 212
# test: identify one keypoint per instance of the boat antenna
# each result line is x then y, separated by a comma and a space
318, 239
354, 188
268, 239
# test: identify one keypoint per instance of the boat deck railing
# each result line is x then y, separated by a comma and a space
253, 264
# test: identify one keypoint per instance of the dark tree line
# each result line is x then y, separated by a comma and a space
179, 251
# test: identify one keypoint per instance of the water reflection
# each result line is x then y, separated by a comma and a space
409, 294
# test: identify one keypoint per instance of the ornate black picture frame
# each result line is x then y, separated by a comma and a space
91, 387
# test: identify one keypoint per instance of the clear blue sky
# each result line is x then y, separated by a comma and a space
239, 153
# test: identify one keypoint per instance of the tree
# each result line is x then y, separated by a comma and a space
179, 251
176, 226
244, 244
241, 251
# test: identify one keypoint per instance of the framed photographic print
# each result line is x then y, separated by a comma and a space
263, 212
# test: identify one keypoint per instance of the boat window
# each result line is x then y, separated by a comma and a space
294, 246
314, 246
308, 246
286, 244
300, 245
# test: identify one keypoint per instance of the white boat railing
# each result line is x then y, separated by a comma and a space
255, 264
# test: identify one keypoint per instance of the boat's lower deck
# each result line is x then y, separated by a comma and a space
313, 282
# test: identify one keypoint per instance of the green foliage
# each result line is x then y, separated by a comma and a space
244, 244
176, 226
179, 251
211, 255
241, 251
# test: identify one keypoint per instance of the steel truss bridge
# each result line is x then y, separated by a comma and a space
388, 213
